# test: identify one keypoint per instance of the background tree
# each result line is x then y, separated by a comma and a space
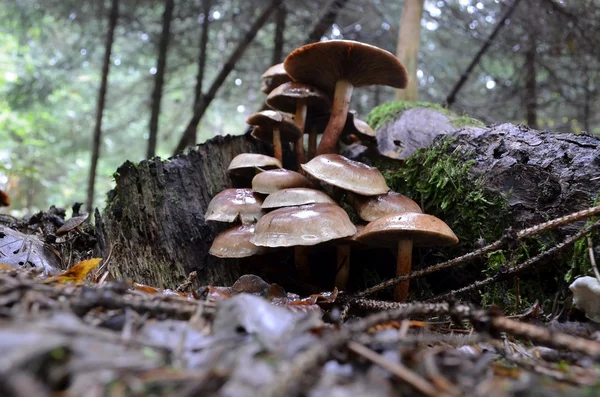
409, 39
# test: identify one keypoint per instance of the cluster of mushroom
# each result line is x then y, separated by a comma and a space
284, 208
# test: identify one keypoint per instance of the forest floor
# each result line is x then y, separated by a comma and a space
79, 334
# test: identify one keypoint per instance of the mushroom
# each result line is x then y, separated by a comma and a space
298, 99
270, 181
302, 226
337, 66
405, 230
294, 197
343, 248
247, 165
274, 77
371, 208
357, 127
74, 223
231, 204
271, 126
235, 243
347, 174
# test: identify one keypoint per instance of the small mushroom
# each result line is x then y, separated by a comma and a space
299, 99
235, 243
337, 66
293, 197
405, 230
247, 165
274, 77
271, 181
231, 204
301, 226
347, 174
371, 208
343, 248
72, 224
275, 127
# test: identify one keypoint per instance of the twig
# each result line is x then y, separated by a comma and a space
403, 373
593, 258
507, 238
523, 266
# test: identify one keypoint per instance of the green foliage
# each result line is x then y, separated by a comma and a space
466, 121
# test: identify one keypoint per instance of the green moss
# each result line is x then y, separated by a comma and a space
391, 110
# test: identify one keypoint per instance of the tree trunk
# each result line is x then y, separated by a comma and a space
278, 40
153, 224
530, 84
159, 78
324, 24
114, 14
225, 70
463, 79
409, 39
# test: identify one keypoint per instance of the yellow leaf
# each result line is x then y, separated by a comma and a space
77, 273
4, 266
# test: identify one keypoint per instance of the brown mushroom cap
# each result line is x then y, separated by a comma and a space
305, 225
347, 174
235, 243
323, 63
246, 164
294, 197
274, 77
271, 181
231, 204
424, 230
285, 98
264, 122
370, 208
71, 224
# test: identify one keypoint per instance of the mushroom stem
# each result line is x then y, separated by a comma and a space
343, 266
300, 121
403, 266
301, 261
312, 142
277, 151
339, 112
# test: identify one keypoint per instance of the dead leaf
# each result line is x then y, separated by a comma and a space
145, 288
4, 199
4, 266
19, 250
77, 273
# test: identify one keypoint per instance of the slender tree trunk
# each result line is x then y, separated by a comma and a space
530, 84
409, 40
330, 14
159, 78
114, 14
225, 70
587, 102
278, 40
463, 79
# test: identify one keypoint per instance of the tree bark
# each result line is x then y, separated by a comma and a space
278, 40
463, 79
324, 24
153, 224
530, 84
225, 70
159, 78
409, 40
114, 15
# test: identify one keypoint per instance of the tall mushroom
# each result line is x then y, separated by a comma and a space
271, 181
405, 230
337, 66
245, 166
231, 204
371, 208
274, 77
298, 99
271, 126
235, 243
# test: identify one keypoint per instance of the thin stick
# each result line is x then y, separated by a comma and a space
403, 373
593, 258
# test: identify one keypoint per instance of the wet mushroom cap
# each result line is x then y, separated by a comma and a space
286, 96
371, 208
274, 77
422, 229
347, 174
305, 225
246, 164
264, 122
271, 181
323, 63
231, 204
235, 243
294, 197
